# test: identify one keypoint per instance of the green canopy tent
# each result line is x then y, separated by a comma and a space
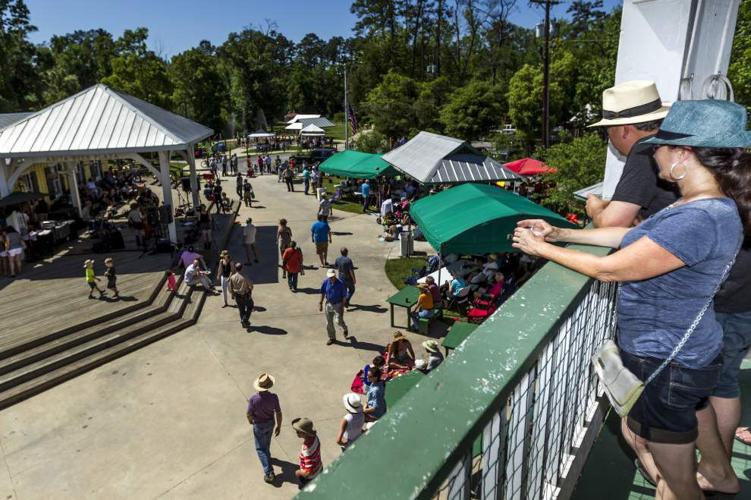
476, 218
357, 165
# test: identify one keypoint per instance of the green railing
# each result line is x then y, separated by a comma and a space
510, 414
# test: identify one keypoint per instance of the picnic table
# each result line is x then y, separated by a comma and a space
397, 387
407, 298
457, 334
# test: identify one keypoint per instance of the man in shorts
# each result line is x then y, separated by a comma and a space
321, 235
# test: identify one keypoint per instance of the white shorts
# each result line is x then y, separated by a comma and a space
13, 252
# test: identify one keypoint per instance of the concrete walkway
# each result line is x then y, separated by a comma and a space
169, 420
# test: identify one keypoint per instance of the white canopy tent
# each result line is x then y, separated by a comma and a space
312, 131
260, 134
100, 124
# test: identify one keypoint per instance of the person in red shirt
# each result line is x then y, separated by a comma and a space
292, 264
310, 452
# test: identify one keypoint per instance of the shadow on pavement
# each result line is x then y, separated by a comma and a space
374, 308
363, 346
287, 475
268, 330
309, 291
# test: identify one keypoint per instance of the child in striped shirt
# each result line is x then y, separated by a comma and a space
310, 453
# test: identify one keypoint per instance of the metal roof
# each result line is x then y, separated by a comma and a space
99, 120
470, 168
11, 118
432, 158
420, 156
321, 122
312, 130
297, 117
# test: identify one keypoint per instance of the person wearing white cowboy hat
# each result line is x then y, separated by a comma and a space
435, 357
334, 293
263, 409
310, 452
631, 113
352, 423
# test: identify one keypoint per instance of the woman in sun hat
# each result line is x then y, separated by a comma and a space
400, 355
310, 452
351, 426
435, 357
670, 266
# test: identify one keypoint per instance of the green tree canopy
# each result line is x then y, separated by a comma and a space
473, 110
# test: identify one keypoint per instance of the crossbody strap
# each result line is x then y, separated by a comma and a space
693, 325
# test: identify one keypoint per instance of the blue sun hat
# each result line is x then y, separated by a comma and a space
704, 124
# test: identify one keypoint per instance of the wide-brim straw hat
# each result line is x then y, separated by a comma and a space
399, 336
431, 346
264, 382
352, 402
629, 103
330, 273
304, 425
704, 124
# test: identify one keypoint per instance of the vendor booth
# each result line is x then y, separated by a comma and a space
357, 165
476, 218
437, 159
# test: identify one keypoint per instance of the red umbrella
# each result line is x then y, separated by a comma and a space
529, 166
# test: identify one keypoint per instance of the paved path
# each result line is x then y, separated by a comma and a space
169, 420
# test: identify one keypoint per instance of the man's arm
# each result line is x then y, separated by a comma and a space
611, 214
278, 422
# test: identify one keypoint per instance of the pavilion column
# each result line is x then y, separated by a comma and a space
5, 170
167, 192
75, 196
193, 178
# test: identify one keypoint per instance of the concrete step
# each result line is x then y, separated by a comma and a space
35, 353
70, 370
21, 344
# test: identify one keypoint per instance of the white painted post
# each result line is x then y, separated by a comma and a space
73, 183
167, 191
193, 177
5, 169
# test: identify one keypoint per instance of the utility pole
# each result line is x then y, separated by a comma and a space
346, 111
546, 71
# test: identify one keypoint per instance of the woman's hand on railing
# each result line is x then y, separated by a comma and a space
541, 228
527, 241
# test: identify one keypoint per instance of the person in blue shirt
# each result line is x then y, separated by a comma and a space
333, 292
376, 405
321, 235
365, 190
670, 266
306, 179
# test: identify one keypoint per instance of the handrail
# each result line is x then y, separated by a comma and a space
494, 388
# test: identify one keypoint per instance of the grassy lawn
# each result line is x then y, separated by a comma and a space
337, 131
344, 205
400, 269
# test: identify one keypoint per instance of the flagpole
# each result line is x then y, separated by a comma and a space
346, 111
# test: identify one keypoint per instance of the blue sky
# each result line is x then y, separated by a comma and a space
176, 25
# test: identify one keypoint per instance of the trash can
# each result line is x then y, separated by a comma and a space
406, 244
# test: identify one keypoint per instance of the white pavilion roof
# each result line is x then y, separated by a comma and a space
99, 120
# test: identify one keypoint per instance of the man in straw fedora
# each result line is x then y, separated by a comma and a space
631, 113
263, 409
310, 452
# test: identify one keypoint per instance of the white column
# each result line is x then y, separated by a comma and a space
167, 191
5, 170
193, 178
73, 184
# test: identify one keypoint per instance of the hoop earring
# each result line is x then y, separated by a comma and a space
672, 171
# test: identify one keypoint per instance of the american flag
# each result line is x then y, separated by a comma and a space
352, 119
